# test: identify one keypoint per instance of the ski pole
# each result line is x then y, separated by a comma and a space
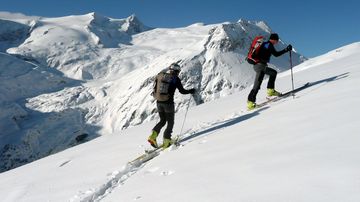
187, 109
292, 76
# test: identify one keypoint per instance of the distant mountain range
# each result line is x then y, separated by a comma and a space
91, 74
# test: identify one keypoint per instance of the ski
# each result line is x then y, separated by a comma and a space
146, 156
152, 153
284, 95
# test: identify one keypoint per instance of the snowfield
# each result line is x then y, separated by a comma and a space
297, 149
92, 75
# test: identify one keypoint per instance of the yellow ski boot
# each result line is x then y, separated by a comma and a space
152, 139
167, 142
251, 105
273, 92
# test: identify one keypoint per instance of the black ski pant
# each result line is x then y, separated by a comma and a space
261, 69
167, 115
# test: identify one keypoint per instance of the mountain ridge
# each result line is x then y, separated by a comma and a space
106, 68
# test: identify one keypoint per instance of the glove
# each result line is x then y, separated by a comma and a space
288, 48
192, 91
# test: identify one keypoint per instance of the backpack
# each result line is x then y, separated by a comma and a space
253, 57
162, 84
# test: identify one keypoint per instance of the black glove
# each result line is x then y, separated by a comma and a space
288, 48
192, 91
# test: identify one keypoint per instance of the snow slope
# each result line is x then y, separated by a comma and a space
94, 74
25, 133
297, 149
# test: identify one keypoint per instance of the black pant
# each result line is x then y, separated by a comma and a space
262, 69
167, 114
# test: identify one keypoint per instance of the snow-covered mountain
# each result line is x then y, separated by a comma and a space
91, 74
301, 148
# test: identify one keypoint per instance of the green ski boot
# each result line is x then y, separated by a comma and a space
251, 105
152, 139
273, 92
167, 142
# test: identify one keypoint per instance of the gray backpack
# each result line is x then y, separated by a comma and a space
162, 84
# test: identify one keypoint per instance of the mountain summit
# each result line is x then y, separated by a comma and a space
91, 74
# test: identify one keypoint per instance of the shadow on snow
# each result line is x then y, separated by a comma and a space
239, 119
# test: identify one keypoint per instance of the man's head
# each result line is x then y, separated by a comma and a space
274, 38
175, 68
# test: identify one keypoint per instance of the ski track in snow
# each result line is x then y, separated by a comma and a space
118, 178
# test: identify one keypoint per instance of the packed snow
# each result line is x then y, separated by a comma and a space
91, 76
301, 148
94, 74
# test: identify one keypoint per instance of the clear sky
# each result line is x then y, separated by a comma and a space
312, 27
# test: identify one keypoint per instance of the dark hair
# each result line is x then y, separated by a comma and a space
274, 36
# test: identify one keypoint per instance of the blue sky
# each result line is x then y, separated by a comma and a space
312, 27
